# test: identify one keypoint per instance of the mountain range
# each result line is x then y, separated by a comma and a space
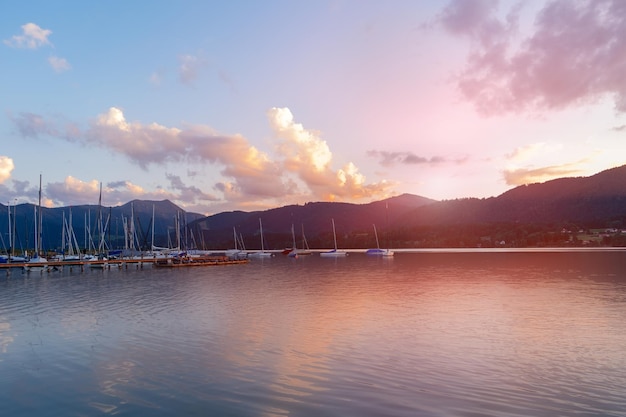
517, 216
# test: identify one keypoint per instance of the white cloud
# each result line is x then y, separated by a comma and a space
32, 37
6, 167
255, 174
306, 155
300, 170
59, 64
73, 191
144, 144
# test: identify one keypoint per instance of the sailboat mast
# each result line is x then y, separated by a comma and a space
376, 234
305, 244
14, 216
152, 244
261, 230
334, 234
39, 222
100, 230
178, 247
10, 237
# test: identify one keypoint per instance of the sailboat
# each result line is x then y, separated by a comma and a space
11, 252
305, 245
69, 245
236, 253
378, 251
334, 253
101, 259
37, 263
263, 253
158, 252
295, 252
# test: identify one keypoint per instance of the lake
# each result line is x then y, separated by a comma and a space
527, 333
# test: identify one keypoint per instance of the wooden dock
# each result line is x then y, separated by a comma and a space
122, 263
188, 261
80, 264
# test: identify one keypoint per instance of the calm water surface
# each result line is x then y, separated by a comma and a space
425, 334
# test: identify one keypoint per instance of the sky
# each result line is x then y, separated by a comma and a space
250, 105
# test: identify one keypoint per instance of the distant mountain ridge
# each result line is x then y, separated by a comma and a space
585, 200
314, 217
595, 201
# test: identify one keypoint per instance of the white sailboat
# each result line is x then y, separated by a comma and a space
69, 245
11, 222
101, 260
263, 253
37, 263
377, 251
157, 252
334, 253
236, 252
295, 252
305, 245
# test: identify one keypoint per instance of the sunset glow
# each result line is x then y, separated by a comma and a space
260, 107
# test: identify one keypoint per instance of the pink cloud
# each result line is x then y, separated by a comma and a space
576, 54
304, 153
387, 158
521, 176
299, 169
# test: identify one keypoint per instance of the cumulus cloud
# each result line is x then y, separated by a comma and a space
73, 191
144, 144
255, 173
59, 64
307, 156
301, 167
32, 37
574, 55
6, 167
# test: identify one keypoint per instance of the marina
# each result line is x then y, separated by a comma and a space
140, 263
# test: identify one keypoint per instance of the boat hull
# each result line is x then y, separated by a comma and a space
333, 254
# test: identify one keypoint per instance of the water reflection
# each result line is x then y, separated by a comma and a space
422, 334
5, 335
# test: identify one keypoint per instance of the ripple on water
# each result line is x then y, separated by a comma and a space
433, 335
